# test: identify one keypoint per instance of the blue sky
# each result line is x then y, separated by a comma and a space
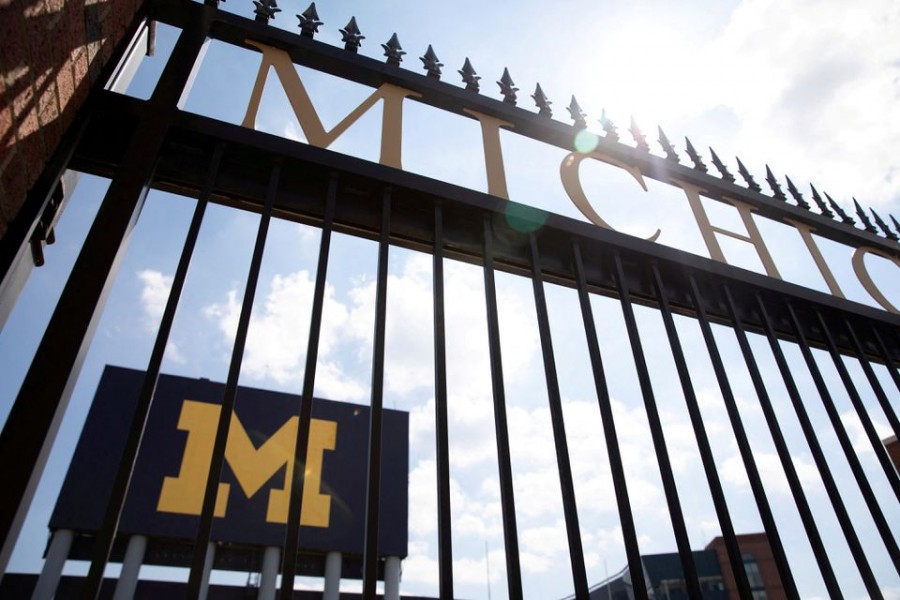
809, 88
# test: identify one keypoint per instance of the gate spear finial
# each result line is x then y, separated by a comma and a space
432, 64
694, 156
823, 208
508, 88
798, 197
667, 145
864, 218
751, 184
887, 232
470, 78
309, 21
840, 211
351, 36
577, 114
541, 101
773, 183
723, 170
393, 51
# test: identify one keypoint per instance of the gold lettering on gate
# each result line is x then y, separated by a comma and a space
493, 153
252, 466
709, 231
568, 172
316, 135
859, 267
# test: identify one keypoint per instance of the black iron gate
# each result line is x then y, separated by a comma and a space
144, 144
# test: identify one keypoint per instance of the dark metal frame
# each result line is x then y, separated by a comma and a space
142, 144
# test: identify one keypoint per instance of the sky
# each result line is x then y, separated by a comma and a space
808, 88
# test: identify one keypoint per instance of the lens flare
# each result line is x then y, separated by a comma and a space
524, 219
585, 141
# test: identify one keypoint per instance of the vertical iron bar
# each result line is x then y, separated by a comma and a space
204, 529
567, 487
888, 361
846, 445
504, 463
656, 432
370, 554
812, 440
735, 557
626, 519
34, 419
441, 430
890, 471
787, 463
105, 537
759, 493
298, 481
873, 381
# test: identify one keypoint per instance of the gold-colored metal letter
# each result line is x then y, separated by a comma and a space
709, 231
493, 153
806, 233
568, 172
392, 113
859, 267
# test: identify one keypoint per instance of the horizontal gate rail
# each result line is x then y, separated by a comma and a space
305, 180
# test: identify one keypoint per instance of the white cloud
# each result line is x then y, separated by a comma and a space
154, 293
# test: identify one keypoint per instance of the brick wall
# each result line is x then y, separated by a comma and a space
51, 52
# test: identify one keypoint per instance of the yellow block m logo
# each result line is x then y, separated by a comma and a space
252, 465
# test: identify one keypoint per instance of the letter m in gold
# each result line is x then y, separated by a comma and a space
392, 115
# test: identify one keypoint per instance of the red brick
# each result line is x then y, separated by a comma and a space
48, 117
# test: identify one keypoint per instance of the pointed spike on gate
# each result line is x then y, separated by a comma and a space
795, 193
309, 21
718, 164
773, 183
577, 114
751, 183
393, 51
507, 88
351, 36
541, 101
823, 208
867, 224
612, 133
694, 155
896, 224
884, 227
639, 138
470, 78
667, 146
432, 64
265, 10
840, 211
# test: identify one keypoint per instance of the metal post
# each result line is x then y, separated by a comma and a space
740, 434
217, 461
269, 573
735, 558
392, 578
787, 463
504, 465
332, 576
567, 487
373, 490
441, 429
131, 568
626, 518
34, 420
295, 505
815, 448
203, 582
689, 570
52, 570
